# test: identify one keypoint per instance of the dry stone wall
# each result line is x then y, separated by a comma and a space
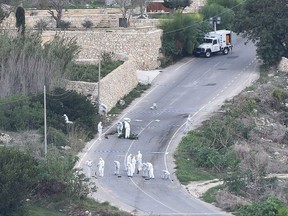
113, 87
142, 43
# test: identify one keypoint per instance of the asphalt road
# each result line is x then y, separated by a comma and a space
195, 86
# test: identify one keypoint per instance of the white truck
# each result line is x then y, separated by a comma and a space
215, 42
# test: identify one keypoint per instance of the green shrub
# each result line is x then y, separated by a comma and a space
87, 24
227, 15
77, 107
270, 207
181, 34
65, 24
41, 25
135, 93
57, 176
55, 137
209, 195
107, 57
279, 94
89, 72
19, 113
17, 180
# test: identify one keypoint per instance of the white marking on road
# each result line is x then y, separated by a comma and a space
152, 197
173, 101
184, 64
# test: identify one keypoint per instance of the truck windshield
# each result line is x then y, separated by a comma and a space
207, 40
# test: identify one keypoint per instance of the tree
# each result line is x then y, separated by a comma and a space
58, 5
142, 4
215, 10
232, 4
177, 4
3, 12
124, 5
265, 22
20, 20
18, 177
181, 34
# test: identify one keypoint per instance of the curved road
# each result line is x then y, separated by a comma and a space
195, 86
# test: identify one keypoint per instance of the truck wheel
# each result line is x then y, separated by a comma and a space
208, 54
226, 51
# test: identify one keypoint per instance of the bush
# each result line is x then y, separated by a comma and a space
57, 175
55, 137
65, 24
77, 107
107, 57
89, 72
270, 207
279, 94
227, 15
87, 24
18, 178
177, 43
19, 113
41, 25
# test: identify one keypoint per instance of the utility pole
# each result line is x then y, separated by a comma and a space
45, 123
99, 77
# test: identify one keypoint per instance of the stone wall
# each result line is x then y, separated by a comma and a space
101, 18
142, 43
113, 87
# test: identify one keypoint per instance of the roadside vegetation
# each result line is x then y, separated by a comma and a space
247, 140
89, 72
31, 182
240, 146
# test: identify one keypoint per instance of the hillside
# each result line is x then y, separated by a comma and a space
263, 154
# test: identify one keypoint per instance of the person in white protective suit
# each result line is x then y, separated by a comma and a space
139, 162
89, 165
150, 170
117, 168
127, 129
101, 165
144, 170
119, 128
128, 159
133, 162
100, 127
165, 174
129, 170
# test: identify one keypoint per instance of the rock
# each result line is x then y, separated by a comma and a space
283, 65
5, 138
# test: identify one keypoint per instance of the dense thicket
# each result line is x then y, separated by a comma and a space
26, 65
17, 179
20, 112
23, 177
181, 34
